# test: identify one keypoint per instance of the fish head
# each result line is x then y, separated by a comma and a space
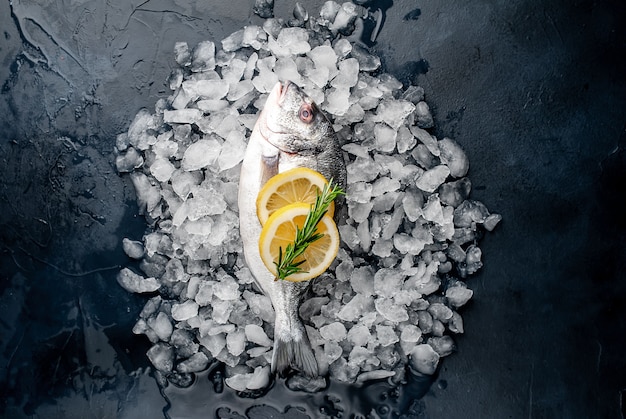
293, 123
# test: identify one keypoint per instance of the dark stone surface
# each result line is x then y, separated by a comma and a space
533, 90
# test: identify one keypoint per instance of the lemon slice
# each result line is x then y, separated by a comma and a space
280, 230
295, 185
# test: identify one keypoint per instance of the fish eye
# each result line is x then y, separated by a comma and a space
306, 113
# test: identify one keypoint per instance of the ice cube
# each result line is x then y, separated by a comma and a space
472, 260
182, 116
162, 169
384, 184
430, 180
392, 312
183, 342
433, 210
161, 325
236, 342
140, 130
329, 11
411, 333
133, 282
374, 375
141, 328
412, 203
203, 57
183, 181
196, 363
201, 154
454, 193
325, 60
492, 221
183, 56
260, 305
355, 308
227, 289
385, 138
221, 310
133, 249
425, 138
394, 112
362, 280
286, 69
334, 332
214, 343
307, 384
470, 212
388, 83
387, 282
259, 379
405, 141
386, 335
359, 335
290, 41
360, 212
206, 89
362, 169
348, 74
254, 36
440, 312
413, 94
355, 113
424, 359
257, 335
443, 345
162, 357
424, 118
227, 358
343, 270
359, 355
129, 161
454, 157
148, 196
233, 151
345, 18
367, 62
394, 222
458, 295
382, 248
264, 81
455, 324
239, 92
184, 311
233, 42
406, 244
337, 101
332, 352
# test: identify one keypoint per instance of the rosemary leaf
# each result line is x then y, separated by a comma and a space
306, 235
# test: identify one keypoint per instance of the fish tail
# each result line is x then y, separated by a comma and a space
293, 350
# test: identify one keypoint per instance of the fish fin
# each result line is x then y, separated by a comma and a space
297, 354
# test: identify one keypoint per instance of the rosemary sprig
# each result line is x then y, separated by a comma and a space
307, 235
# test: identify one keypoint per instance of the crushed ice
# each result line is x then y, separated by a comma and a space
392, 297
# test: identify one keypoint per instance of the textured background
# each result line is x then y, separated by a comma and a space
533, 90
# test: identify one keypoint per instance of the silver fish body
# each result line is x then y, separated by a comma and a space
290, 132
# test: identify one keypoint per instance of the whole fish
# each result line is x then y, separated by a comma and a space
291, 131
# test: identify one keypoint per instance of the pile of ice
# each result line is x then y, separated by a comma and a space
391, 299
